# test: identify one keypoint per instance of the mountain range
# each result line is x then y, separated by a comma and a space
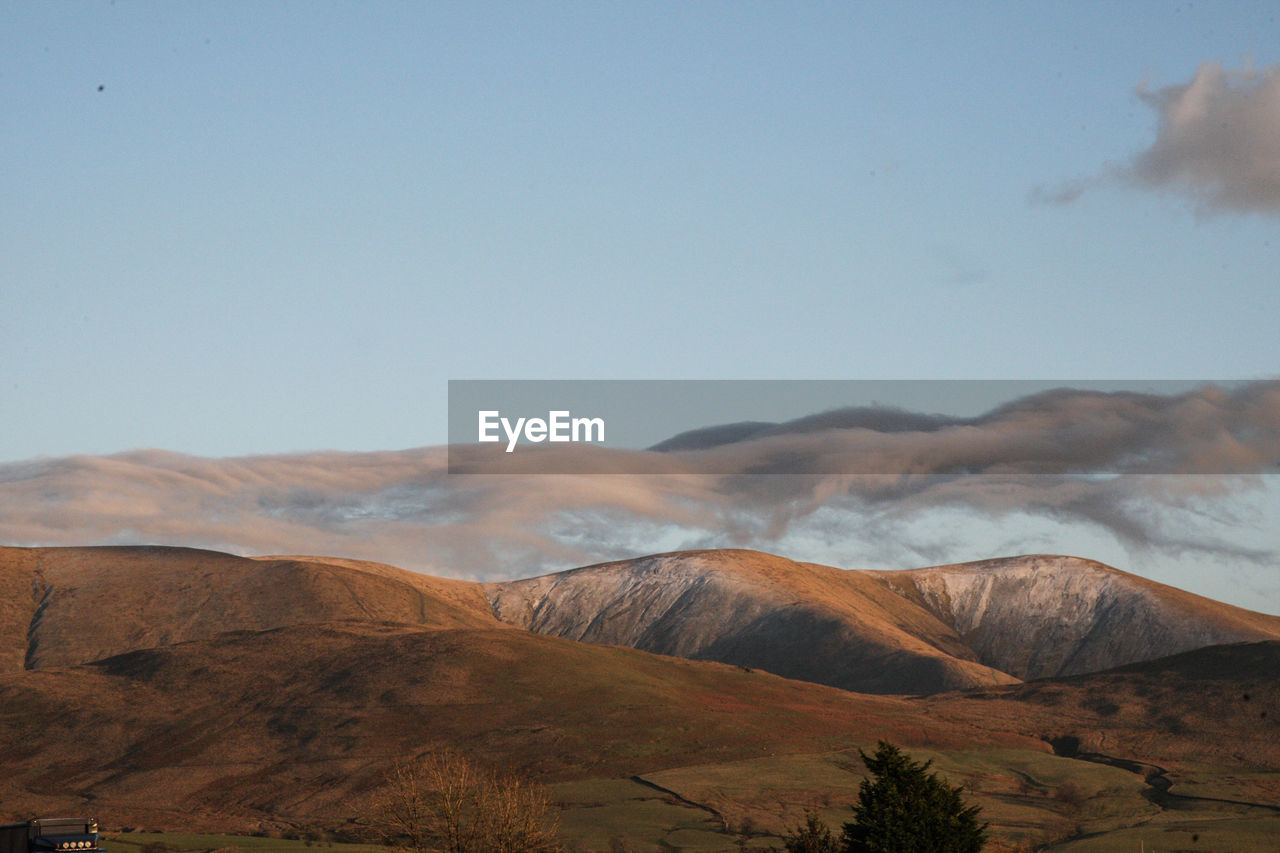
921, 631
178, 687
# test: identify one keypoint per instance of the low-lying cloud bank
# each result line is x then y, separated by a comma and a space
1028, 464
1218, 143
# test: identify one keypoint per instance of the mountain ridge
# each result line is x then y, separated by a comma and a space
913, 631
917, 631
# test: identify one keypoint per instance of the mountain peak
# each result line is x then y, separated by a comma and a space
1040, 615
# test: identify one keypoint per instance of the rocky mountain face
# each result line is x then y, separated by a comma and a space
919, 631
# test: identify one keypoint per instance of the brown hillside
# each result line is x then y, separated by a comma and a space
447, 602
74, 605
297, 724
1218, 705
19, 597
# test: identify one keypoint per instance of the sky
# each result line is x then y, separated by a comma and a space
283, 227
239, 229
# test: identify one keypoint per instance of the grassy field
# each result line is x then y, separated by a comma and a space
600, 815
1034, 799
1206, 780
1031, 798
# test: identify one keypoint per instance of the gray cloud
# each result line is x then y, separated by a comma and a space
774, 488
1065, 431
1217, 142
1064, 193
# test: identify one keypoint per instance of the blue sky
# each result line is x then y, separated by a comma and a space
283, 227
263, 229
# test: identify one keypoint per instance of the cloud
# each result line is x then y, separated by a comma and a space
1217, 143
1065, 193
1219, 140
1064, 431
788, 487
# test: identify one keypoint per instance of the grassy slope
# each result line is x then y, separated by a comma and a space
751, 750
295, 725
99, 602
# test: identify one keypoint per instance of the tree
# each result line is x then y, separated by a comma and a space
907, 809
812, 836
446, 802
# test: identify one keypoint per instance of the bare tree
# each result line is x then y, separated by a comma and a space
445, 802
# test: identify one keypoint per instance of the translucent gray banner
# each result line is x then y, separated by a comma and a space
881, 427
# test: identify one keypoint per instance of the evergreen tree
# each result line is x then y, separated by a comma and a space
907, 809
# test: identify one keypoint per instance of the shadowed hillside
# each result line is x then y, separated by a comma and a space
1217, 704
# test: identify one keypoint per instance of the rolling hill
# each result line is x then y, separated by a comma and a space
1178, 706
66, 606
189, 689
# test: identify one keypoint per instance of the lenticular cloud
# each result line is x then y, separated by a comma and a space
1154, 472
